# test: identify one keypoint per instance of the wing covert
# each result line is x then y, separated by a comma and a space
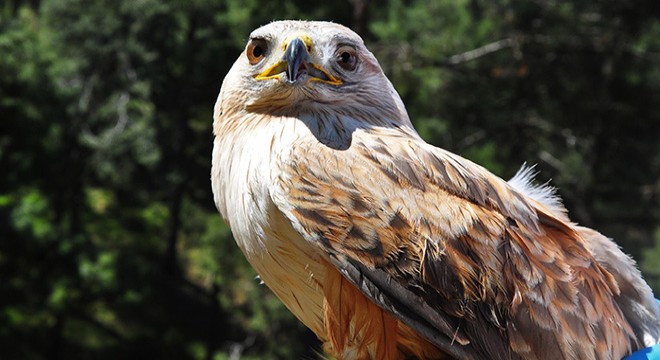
451, 250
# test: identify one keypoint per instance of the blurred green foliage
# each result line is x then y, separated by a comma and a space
110, 244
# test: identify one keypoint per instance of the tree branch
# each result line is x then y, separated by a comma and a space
479, 52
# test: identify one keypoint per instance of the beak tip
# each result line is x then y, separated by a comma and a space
296, 54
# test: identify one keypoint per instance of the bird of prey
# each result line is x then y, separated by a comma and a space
387, 247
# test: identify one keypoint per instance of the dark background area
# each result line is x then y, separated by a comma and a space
110, 245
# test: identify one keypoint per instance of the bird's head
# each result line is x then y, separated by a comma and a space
294, 68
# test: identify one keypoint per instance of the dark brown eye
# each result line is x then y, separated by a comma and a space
346, 58
256, 50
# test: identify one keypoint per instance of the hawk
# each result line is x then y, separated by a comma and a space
387, 247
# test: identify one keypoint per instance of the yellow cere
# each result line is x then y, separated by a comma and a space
275, 71
304, 37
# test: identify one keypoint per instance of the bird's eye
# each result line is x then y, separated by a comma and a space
346, 58
256, 50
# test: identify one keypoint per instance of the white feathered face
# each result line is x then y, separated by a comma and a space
300, 65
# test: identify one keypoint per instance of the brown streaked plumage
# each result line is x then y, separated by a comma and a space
390, 248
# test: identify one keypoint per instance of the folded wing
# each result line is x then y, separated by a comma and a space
452, 251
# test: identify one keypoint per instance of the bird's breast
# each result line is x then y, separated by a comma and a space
243, 170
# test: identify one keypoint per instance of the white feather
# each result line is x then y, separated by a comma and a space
523, 181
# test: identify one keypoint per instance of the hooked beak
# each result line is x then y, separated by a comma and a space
296, 57
296, 63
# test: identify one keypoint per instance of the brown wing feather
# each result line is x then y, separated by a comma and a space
452, 251
350, 316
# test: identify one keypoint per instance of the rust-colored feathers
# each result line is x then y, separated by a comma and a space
390, 248
517, 282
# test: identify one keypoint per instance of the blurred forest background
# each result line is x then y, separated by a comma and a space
110, 245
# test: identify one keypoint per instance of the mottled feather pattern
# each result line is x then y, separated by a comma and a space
390, 248
543, 288
635, 297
